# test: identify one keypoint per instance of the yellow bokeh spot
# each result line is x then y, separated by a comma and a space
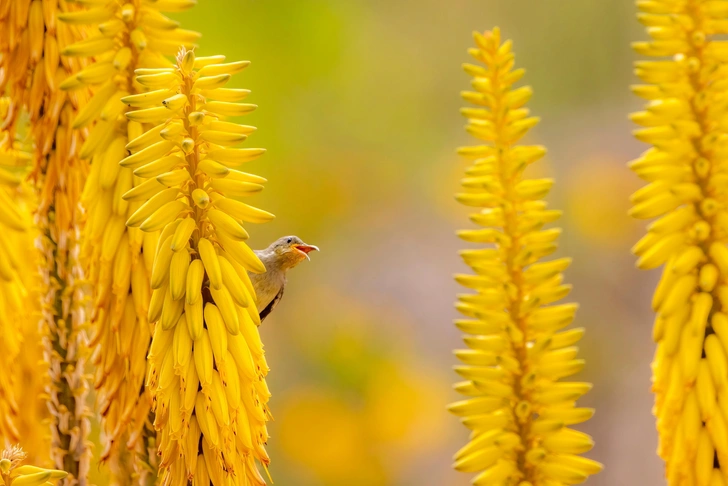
405, 407
597, 199
326, 435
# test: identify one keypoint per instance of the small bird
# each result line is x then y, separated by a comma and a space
282, 255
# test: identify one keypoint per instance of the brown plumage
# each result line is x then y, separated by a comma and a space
282, 255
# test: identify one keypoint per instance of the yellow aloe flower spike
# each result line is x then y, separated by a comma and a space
687, 184
517, 409
33, 38
207, 368
14, 473
127, 36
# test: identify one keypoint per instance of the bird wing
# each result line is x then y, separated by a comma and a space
269, 308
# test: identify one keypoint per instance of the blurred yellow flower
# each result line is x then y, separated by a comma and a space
329, 437
597, 196
404, 405
349, 376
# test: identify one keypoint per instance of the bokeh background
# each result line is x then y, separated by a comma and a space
358, 108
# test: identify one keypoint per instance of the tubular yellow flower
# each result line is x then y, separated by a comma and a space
207, 368
127, 36
32, 72
517, 409
13, 472
687, 186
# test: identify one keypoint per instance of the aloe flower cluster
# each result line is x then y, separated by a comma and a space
518, 351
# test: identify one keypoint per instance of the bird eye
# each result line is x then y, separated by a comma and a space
290, 240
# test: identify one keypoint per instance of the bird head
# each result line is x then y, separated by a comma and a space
291, 250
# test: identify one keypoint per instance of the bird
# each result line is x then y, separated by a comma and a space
282, 255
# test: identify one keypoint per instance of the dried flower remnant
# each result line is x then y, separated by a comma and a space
517, 409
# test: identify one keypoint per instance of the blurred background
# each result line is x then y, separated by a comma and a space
358, 109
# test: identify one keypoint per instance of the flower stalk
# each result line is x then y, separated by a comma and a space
686, 191
207, 367
518, 410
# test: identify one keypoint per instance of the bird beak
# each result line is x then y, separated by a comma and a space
306, 249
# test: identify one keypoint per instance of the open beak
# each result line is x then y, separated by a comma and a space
306, 249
